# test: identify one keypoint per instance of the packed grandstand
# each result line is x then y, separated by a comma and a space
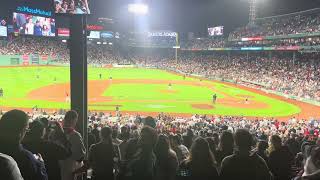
195, 147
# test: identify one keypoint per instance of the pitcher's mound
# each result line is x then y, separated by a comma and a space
202, 106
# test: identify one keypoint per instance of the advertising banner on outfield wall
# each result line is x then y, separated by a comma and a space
25, 59
44, 57
288, 48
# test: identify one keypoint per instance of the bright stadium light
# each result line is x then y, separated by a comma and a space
139, 9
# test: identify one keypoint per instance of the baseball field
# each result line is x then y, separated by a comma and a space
140, 90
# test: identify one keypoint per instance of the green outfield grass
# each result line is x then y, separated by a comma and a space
17, 82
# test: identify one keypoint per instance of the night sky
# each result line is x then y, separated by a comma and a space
177, 15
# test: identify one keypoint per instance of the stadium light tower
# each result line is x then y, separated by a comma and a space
138, 8
252, 11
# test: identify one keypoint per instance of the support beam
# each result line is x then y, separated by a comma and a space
78, 73
176, 49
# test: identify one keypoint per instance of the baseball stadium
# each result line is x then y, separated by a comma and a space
160, 90
222, 74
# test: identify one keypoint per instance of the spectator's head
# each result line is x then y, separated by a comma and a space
45, 122
175, 140
13, 126
148, 138
36, 130
105, 134
45, 27
57, 6
262, 146
124, 129
276, 142
125, 133
150, 121
70, 119
115, 133
215, 137
200, 153
243, 140
190, 132
226, 141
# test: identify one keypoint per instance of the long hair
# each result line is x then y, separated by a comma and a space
106, 138
162, 150
201, 158
212, 145
226, 142
276, 143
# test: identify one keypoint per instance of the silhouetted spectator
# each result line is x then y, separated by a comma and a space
280, 159
167, 161
242, 165
312, 165
103, 156
96, 132
262, 150
13, 127
125, 135
78, 150
142, 164
226, 146
201, 163
115, 138
180, 149
188, 138
8, 168
51, 152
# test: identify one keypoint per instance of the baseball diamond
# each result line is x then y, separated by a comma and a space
136, 89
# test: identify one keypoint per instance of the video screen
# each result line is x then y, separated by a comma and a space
3, 31
215, 31
71, 6
94, 35
106, 34
33, 25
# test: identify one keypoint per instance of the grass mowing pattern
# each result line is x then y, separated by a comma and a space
17, 82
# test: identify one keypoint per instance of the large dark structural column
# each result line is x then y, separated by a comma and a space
78, 72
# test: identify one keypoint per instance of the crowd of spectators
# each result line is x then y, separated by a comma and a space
33, 45
129, 147
282, 25
204, 43
97, 54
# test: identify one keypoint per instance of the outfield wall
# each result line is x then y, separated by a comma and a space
18, 60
